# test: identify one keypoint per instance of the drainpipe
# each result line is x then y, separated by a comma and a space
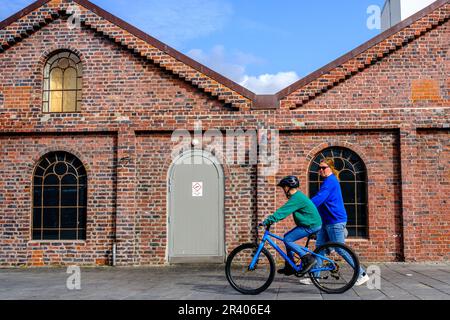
114, 253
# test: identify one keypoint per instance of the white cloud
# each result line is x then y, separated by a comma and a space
269, 83
233, 65
176, 21
172, 21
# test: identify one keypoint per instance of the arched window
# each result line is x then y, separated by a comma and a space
59, 198
353, 181
62, 83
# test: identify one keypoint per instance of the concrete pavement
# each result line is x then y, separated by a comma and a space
207, 282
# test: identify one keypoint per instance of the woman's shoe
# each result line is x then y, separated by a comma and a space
362, 279
305, 281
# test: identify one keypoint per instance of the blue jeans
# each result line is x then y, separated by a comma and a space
296, 234
334, 233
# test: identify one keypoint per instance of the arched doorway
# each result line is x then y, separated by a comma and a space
196, 217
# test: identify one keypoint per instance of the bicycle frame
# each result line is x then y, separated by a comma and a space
266, 238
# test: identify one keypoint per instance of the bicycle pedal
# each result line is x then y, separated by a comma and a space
300, 274
336, 270
328, 264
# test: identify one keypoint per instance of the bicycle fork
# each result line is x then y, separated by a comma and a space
252, 265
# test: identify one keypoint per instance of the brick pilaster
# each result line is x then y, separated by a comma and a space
408, 159
126, 197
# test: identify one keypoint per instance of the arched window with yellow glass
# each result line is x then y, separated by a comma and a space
62, 83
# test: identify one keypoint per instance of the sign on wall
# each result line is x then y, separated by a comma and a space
197, 189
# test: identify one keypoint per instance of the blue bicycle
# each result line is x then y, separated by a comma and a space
250, 268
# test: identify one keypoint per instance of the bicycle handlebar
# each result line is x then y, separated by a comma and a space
264, 226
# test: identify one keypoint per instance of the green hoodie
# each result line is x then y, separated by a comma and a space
304, 211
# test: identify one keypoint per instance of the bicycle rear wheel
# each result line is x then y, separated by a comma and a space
345, 266
249, 281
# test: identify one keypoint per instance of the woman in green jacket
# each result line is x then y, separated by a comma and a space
306, 218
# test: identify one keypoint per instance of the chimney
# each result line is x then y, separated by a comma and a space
395, 11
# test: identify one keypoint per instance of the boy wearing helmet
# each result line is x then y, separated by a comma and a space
306, 217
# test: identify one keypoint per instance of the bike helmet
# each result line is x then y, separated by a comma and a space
289, 181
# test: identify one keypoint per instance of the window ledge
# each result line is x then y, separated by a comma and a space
65, 112
357, 240
55, 242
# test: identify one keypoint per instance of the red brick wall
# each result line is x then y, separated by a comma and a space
420, 47
380, 153
431, 222
19, 156
405, 91
414, 77
116, 83
376, 113
154, 160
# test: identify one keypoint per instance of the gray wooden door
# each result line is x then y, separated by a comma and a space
196, 209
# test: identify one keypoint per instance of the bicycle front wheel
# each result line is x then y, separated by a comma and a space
341, 274
241, 277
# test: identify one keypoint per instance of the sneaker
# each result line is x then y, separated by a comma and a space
287, 270
362, 279
308, 261
305, 281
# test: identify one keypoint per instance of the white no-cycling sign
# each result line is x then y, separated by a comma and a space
197, 189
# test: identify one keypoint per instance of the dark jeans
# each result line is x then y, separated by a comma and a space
296, 234
334, 233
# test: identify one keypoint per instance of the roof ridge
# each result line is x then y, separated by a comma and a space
330, 74
194, 72
342, 72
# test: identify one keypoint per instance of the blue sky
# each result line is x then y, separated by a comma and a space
262, 44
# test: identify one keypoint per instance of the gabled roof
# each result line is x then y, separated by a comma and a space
42, 12
365, 55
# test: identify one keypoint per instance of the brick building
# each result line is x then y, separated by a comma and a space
87, 114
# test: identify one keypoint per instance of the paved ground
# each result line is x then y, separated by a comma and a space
398, 281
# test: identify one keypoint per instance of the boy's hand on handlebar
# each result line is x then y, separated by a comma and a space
264, 224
